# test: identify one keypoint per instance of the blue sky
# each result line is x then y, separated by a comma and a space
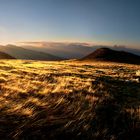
97, 21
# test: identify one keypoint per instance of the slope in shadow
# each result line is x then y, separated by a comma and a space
5, 56
106, 54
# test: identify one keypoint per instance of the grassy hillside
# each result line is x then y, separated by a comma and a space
69, 100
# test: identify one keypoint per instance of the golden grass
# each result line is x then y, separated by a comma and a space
68, 99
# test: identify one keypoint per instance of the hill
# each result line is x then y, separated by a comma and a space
5, 56
22, 53
107, 54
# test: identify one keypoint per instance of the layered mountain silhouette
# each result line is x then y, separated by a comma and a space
5, 56
71, 50
64, 50
107, 54
60, 51
22, 53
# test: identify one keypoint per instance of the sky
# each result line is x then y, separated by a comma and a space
115, 22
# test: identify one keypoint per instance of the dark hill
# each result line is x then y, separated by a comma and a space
106, 54
5, 56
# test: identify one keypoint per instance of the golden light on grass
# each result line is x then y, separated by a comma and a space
44, 95
138, 73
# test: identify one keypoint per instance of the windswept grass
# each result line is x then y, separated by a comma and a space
69, 100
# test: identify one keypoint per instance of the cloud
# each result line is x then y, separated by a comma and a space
52, 43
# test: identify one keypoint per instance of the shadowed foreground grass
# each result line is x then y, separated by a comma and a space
65, 100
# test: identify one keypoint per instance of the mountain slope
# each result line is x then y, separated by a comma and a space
123, 48
21, 53
106, 54
5, 56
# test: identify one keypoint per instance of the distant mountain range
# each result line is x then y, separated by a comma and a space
22, 53
56, 50
72, 50
123, 48
109, 55
64, 50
